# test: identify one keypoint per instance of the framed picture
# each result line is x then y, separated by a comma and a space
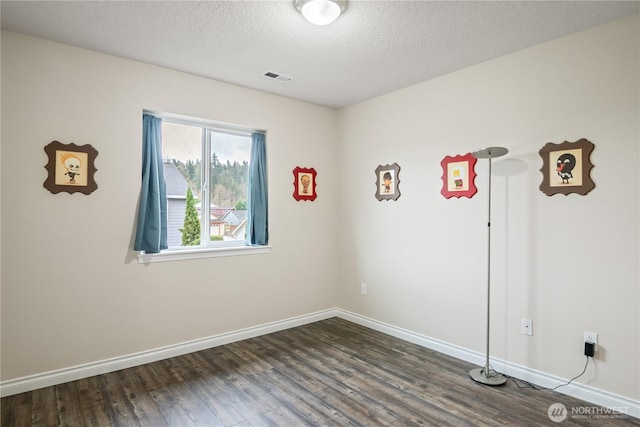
458, 176
304, 184
566, 168
387, 182
71, 168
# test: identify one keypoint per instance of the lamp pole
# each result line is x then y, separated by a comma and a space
486, 375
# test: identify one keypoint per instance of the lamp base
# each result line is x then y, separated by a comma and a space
493, 378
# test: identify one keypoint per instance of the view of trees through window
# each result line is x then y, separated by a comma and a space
194, 155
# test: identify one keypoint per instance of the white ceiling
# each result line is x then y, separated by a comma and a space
374, 48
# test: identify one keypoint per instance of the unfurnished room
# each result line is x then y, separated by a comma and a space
320, 213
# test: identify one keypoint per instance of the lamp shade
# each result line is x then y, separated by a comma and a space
321, 12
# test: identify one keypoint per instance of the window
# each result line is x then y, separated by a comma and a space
206, 168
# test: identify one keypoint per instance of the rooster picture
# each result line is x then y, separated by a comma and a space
565, 165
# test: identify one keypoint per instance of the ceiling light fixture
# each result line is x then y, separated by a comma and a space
321, 12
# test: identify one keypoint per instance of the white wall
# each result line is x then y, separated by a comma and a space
569, 263
72, 290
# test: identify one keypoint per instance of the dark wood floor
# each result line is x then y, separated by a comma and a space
329, 373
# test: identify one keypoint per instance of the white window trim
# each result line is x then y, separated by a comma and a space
202, 252
220, 127
223, 249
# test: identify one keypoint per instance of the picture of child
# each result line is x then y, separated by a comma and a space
387, 182
305, 180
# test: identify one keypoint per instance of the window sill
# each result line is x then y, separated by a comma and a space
184, 254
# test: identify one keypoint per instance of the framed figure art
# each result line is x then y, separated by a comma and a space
387, 182
458, 176
71, 168
566, 168
304, 184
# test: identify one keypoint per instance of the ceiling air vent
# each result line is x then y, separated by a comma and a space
277, 76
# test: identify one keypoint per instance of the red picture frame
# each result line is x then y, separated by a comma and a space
458, 176
304, 184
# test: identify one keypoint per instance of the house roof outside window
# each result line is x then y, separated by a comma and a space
176, 184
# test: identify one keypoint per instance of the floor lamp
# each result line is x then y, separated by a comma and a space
486, 375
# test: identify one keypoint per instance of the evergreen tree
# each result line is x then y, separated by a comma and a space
191, 170
191, 230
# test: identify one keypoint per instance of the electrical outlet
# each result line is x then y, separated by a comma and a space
591, 337
363, 288
526, 326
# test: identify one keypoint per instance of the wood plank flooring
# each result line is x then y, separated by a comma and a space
328, 373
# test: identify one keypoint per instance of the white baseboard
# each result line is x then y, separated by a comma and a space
579, 391
46, 379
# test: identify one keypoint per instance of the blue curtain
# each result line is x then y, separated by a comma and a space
151, 234
258, 206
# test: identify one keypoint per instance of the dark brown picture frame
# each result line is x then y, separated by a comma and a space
566, 168
388, 182
304, 184
71, 168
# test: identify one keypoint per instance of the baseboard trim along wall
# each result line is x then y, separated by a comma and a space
60, 376
577, 390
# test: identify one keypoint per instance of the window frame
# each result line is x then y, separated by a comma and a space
180, 254
208, 249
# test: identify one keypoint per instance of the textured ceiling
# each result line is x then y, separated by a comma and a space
375, 47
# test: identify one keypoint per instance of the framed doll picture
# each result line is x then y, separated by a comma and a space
566, 168
304, 184
387, 182
70, 168
458, 176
